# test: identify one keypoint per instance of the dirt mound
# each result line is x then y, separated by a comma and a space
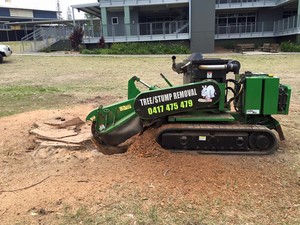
145, 145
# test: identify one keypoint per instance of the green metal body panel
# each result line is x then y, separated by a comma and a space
261, 96
132, 91
222, 97
197, 116
260, 101
110, 118
113, 116
270, 95
252, 96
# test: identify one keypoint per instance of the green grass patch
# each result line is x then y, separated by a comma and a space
20, 91
132, 213
140, 49
15, 99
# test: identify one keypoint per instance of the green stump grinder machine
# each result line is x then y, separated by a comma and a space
208, 113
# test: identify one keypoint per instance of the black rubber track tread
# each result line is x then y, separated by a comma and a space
224, 128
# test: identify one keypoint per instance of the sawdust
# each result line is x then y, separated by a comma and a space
145, 145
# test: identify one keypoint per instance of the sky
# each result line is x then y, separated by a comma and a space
51, 5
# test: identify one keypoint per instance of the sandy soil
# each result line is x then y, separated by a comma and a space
36, 185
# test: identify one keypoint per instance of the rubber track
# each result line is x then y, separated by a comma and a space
222, 128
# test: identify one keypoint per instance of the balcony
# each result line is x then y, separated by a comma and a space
245, 31
179, 30
114, 3
156, 31
4, 27
236, 4
287, 26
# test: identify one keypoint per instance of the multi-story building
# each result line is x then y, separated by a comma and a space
10, 14
202, 23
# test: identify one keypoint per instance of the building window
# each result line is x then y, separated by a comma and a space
289, 13
235, 19
235, 22
114, 20
21, 13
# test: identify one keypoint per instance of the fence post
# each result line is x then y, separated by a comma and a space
7, 35
138, 30
113, 32
47, 40
34, 38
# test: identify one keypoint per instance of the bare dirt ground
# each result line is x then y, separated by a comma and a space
149, 186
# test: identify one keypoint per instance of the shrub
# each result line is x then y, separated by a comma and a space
86, 51
76, 38
47, 50
290, 47
229, 45
141, 48
101, 43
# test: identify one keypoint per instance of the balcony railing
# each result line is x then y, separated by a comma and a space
4, 27
279, 2
287, 26
45, 37
166, 30
223, 4
245, 28
179, 30
106, 3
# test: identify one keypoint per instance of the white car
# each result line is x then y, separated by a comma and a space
5, 51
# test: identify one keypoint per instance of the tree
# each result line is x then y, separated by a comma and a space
76, 38
89, 16
69, 14
59, 14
